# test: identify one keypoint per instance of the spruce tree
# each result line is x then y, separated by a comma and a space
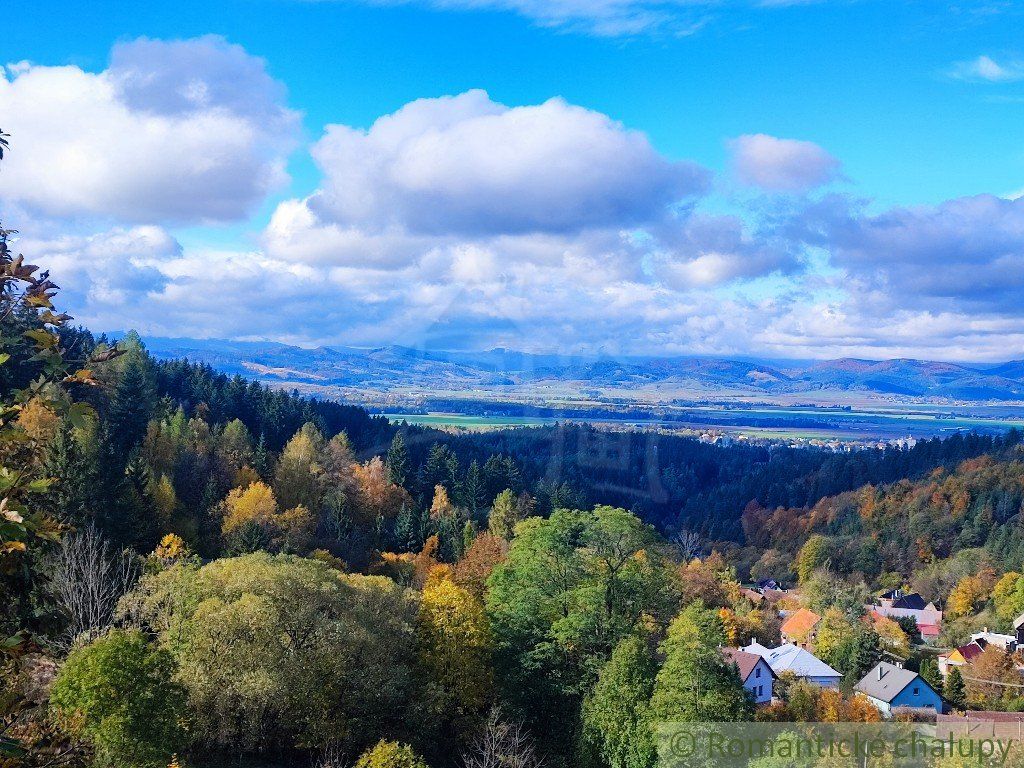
131, 406
398, 460
955, 691
472, 493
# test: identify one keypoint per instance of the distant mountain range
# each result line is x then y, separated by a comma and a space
398, 370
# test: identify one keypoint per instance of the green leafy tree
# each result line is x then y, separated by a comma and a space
849, 645
1008, 597
572, 587
696, 683
281, 650
117, 693
617, 722
813, 554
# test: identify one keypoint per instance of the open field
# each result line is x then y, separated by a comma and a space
806, 423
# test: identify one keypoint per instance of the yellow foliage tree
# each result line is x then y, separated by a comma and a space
968, 593
38, 421
254, 504
441, 506
454, 645
256, 507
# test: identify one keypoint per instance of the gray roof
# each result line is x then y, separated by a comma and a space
1018, 621
790, 658
885, 681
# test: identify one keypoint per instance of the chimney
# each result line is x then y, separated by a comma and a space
879, 671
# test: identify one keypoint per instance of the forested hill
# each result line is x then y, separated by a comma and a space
169, 425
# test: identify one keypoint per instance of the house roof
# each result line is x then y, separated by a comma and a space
744, 661
790, 658
800, 623
964, 653
751, 594
928, 630
1018, 621
971, 650
885, 681
913, 602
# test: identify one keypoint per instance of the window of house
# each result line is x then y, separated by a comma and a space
757, 672
917, 691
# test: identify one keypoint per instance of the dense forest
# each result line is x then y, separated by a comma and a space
199, 570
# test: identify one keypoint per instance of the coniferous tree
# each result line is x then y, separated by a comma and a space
954, 690
398, 460
131, 405
405, 533
472, 492
72, 498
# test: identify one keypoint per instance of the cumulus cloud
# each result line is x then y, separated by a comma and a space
985, 68
180, 131
963, 254
467, 164
105, 273
534, 225
781, 165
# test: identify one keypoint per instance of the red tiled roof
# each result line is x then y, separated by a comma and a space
800, 623
744, 661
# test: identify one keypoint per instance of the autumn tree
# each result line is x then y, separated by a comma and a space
990, 678
251, 520
454, 644
504, 515
296, 477
390, 754
1008, 597
476, 564
377, 496
813, 554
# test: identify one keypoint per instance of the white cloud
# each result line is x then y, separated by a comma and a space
985, 68
469, 165
781, 165
183, 131
609, 18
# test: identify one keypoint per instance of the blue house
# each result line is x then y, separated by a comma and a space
889, 687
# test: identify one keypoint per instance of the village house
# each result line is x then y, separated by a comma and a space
800, 662
754, 671
959, 656
890, 687
1001, 641
897, 604
799, 627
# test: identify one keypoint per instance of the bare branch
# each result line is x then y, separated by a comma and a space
89, 578
502, 744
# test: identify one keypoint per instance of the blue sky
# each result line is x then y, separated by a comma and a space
893, 116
